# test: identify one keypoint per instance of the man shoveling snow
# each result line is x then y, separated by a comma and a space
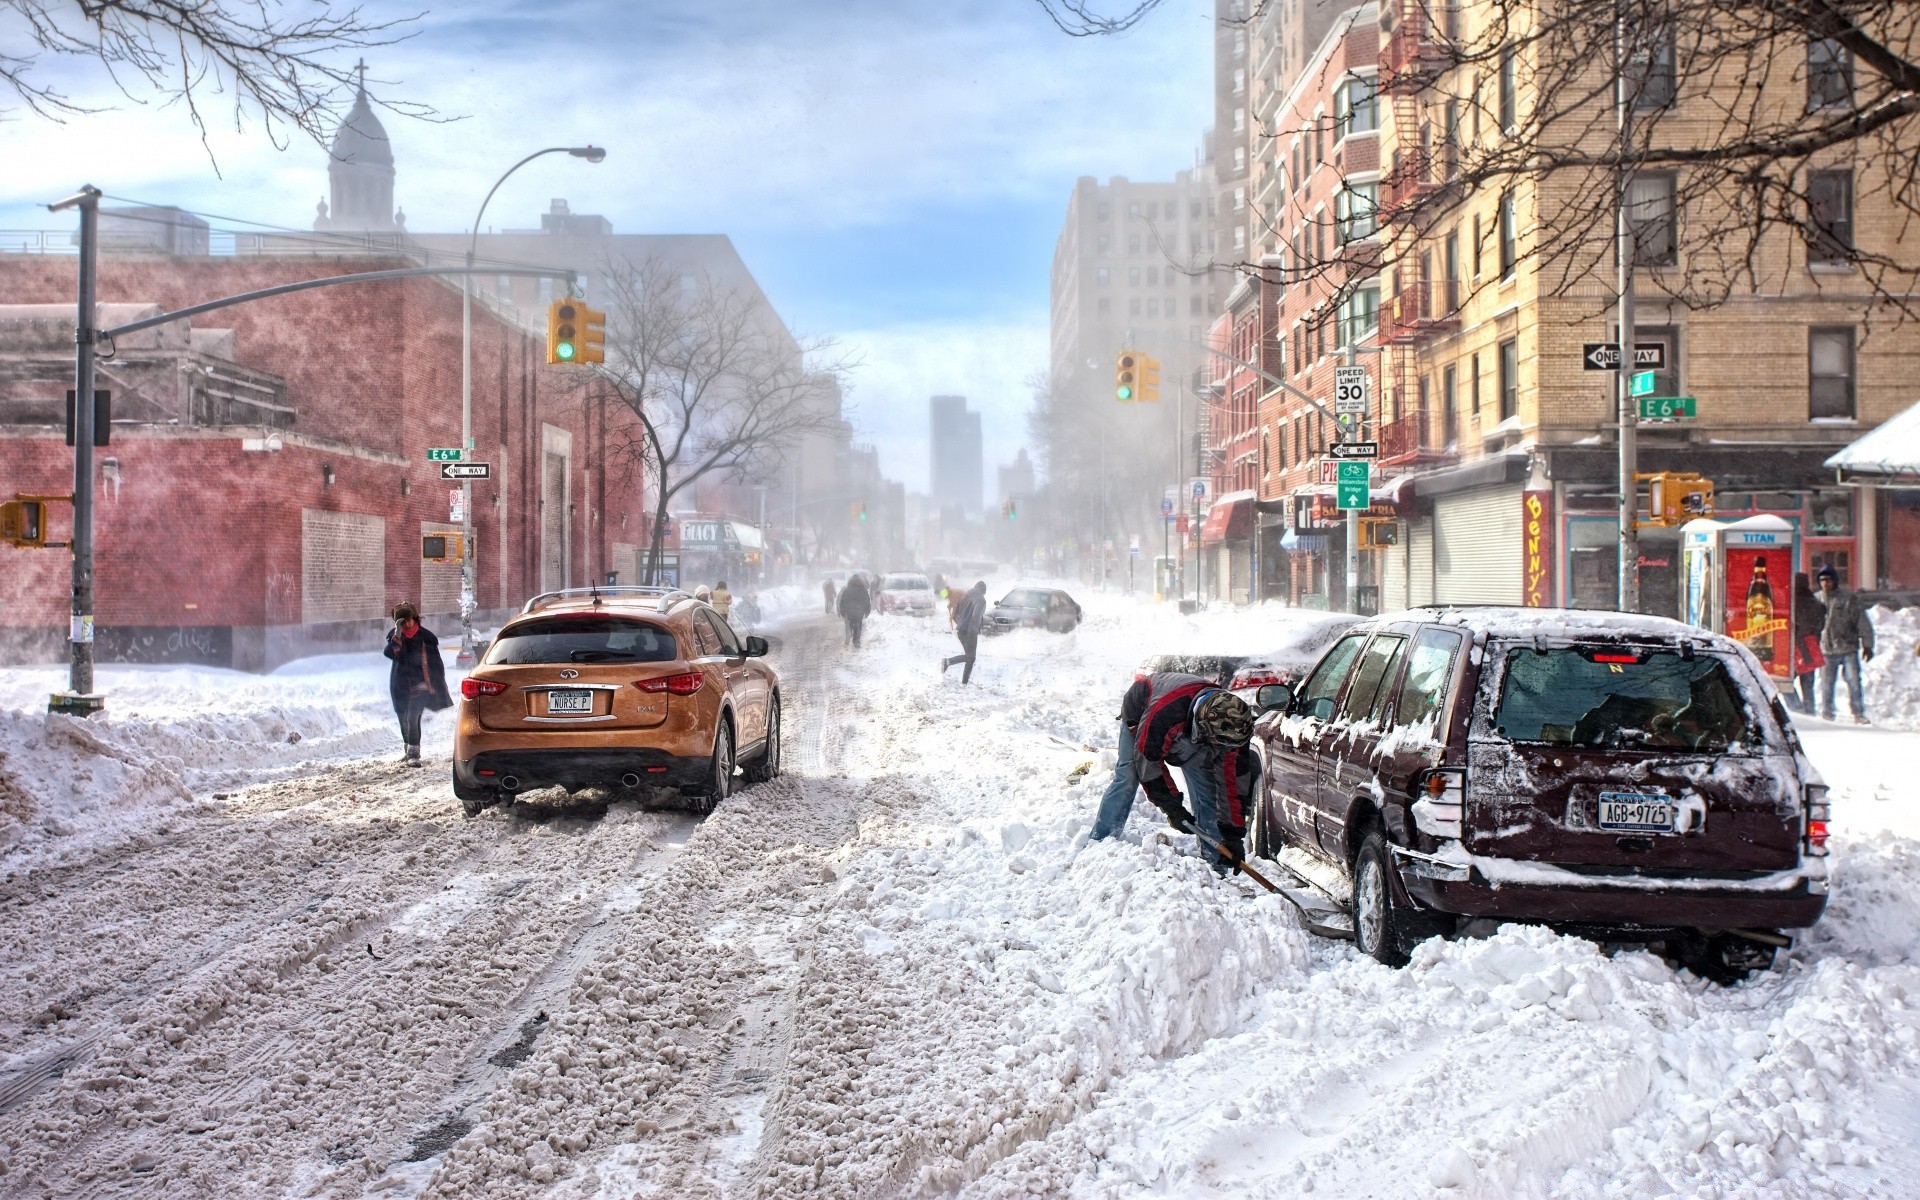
1179, 720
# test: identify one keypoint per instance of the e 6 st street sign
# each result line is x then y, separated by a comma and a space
1605, 356
466, 470
444, 454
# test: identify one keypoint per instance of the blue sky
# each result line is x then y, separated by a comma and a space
893, 171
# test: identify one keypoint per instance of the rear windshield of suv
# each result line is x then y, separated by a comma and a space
583, 638
908, 583
1623, 697
1024, 598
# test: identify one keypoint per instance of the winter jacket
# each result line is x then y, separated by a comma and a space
417, 667
1809, 615
722, 601
855, 602
1156, 711
1848, 628
972, 611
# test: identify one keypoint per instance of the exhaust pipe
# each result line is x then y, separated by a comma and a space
510, 783
630, 780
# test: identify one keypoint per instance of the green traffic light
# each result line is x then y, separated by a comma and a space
1126, 393
564, 351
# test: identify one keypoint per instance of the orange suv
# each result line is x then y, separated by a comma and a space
616, 687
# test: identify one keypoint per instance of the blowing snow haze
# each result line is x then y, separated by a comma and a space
1002, 599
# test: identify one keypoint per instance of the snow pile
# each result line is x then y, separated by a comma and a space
171, 733
1892, 679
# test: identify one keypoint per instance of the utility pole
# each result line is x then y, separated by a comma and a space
80, 699
1623, 98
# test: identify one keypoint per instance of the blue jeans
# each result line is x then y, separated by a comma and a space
1829, 674
1807, 681
1117, 803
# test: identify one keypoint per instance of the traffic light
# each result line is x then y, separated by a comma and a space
23, 524
1149, 379
1009, 510
564, 322
593, 335
859, 510
1674, 498
1379, 533
1126, 377
441, 547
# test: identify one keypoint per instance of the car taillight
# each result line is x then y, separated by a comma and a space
1818, 813
1440, 797
680, 685
473, 689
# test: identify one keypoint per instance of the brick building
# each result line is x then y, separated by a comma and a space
267, 484
1512, 444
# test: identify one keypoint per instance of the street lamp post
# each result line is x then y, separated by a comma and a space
592, 154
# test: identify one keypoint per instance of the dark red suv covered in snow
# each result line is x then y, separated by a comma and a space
1627, 777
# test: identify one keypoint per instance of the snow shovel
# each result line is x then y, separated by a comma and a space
1245, 868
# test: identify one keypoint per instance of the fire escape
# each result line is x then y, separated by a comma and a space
1419, 181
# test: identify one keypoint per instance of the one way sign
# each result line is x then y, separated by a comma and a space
466, 470
1605, 356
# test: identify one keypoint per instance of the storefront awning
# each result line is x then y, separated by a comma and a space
1887, 457
1230, 519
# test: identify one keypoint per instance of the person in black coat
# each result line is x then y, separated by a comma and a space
418, 679
966, 626
855, 603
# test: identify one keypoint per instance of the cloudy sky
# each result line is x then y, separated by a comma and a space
893, 171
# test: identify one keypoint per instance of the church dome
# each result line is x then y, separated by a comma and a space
361, 139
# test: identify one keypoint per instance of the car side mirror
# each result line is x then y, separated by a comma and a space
756, 647
1273, 697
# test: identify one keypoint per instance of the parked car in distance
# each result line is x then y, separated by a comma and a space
616, 687
1302, 641
1297, 645
1630, 778
904, 592
1033, 608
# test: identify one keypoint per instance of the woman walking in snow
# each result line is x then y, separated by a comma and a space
418, 679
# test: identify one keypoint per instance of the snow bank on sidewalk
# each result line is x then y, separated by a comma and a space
173, 733
1892, 679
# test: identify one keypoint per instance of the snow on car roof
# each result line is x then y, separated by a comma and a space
1498, 619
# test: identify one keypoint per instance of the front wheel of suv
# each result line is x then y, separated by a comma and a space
765, 767
719, 783
1378, 927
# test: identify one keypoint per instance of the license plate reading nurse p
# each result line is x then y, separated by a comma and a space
572, 701
1637, 812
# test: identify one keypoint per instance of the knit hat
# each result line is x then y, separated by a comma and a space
1827, 572
1223, 718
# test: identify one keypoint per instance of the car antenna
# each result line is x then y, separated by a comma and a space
593, 590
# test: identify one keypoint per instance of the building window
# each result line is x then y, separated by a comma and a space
1478, 240
1650, 216
1133, 307
1356, 207
1239, 238
1830, 218
1448, 400
1509, 90
1239, 120
1666, 380
1356, 108
1297, 176
1239, 80
1830, 385
1239, 158
1239, 199
1194, 306
1153, 276
1103, 210
1829, 75
1509, 237
1473, 385
1133, 276
1320, 235
1103, 243
1650, 69
1153, 307
1509, 378
1319, 143
1133, 210
1102, 277
1360, 314
1104, 306
1133, 243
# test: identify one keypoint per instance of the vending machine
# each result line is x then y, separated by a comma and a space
1737, 579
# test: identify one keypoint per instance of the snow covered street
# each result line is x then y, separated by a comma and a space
237, 961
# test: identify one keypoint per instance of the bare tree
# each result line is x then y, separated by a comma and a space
718, 388
1077, 18
282, 64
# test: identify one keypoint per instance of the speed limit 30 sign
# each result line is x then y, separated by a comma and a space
1350, 390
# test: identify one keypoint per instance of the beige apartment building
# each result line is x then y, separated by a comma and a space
1509, 441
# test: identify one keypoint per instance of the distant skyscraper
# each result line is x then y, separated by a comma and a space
1016, 478
959, 469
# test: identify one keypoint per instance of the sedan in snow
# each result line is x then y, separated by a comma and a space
1626, 777
1033, 608
1286, 658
